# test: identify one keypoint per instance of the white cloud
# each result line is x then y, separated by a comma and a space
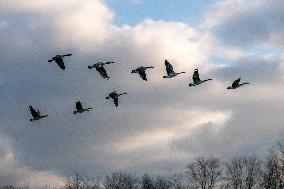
156, 120
241, 23
226, 10
155, 145
86, 28
72, 22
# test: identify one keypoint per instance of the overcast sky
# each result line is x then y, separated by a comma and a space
162, 123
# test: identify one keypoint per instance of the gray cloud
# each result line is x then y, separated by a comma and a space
245, 24
159, 126
12, 171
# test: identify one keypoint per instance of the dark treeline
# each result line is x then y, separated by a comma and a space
242, 172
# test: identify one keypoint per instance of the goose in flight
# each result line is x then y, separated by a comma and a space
36, 114
237, 84
79, 108
58, 59
141, 71
114, 96
100, 68
170, 70
196, 79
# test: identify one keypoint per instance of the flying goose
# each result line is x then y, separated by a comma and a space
114, 96
79, 108
36, 114
170, 70
196, 79
100, 68
237, 84
141, 71
59, 60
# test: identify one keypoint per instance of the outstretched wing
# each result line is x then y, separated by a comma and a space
113, 94
236, 82
115, 101
102, 72
79, 106
60, 63
34, 113
195, 76
66, 55
142, 74
169, 67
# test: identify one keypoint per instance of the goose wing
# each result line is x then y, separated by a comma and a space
102, 71
59, 61
66, 55
142, 74
79, 106
109, 62
115, 101
236, 82
33, 112
169, 67
195, 76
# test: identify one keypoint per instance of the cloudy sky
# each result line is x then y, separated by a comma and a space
162, 123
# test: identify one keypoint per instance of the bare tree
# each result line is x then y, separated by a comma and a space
252, 172
95, 183
243, 172
171, 182
162, 183
234, 172
76, 182
177, 181
205, 172
147, 182
120, 181
273, 173
281, 163
13, 186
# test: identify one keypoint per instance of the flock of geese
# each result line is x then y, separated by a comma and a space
58, 59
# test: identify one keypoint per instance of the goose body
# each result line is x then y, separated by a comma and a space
79, 108
36, 114
196, 79
58, 59
142, 71
114, 96
237, 84
170, 71
100, 68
